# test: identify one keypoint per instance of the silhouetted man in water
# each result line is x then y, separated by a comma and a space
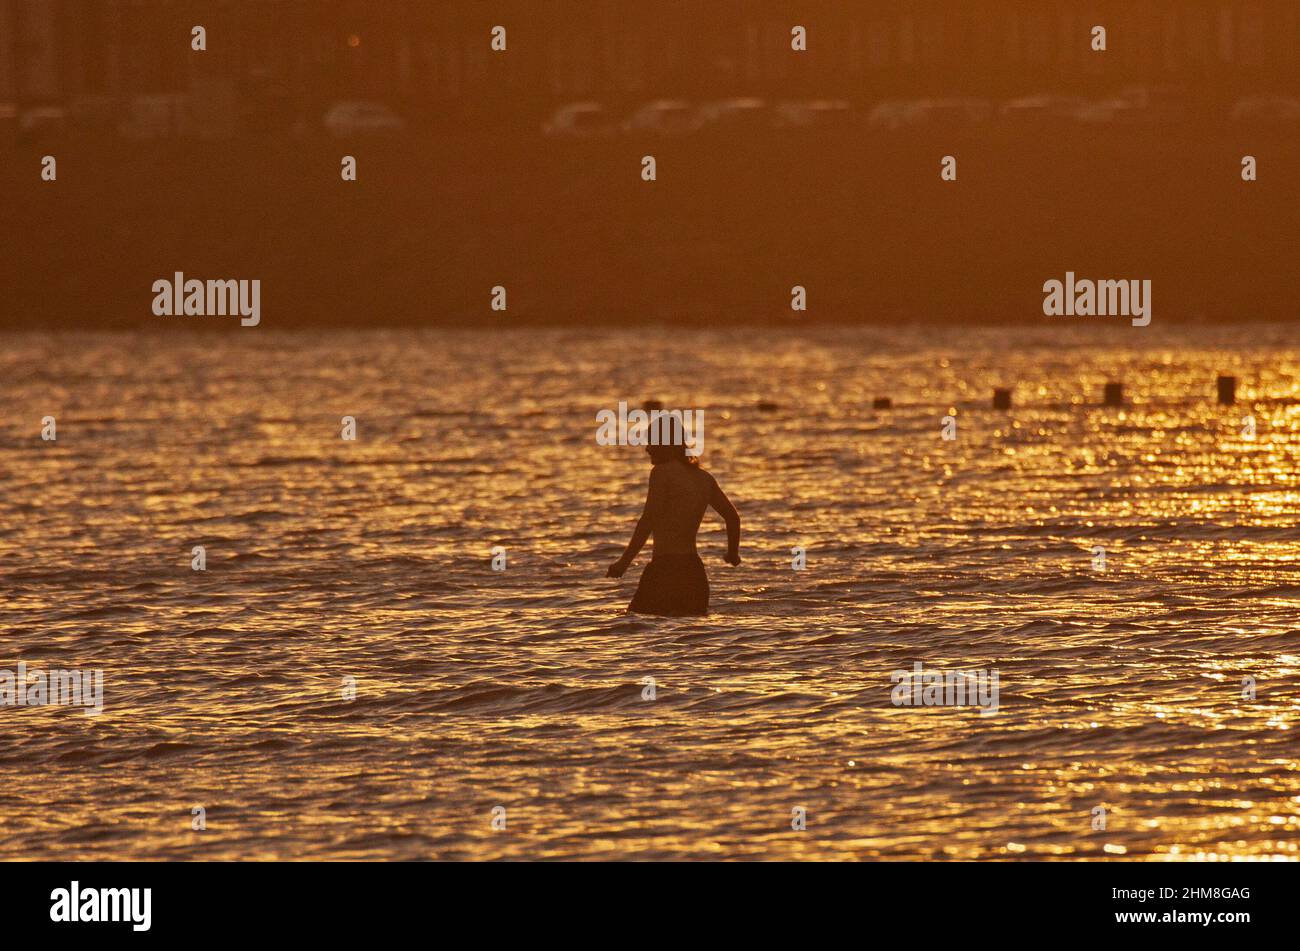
674, 583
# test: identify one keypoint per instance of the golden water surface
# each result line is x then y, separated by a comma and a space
524, 689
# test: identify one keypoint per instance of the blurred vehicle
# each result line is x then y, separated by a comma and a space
162, 116
1275, 110
1043, 110
1138, 105
40, 121
1104, 110
950, 113
734, 115
1162, 104
930, 113
812, 114
581, 120
891, 114
360, 117
663, 117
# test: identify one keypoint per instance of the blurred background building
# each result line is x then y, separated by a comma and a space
272, 62
522, 168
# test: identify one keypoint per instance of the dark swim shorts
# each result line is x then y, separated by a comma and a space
673, 586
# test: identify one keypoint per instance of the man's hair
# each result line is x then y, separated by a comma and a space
668, 438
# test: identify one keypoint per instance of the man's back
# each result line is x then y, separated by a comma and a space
679, 495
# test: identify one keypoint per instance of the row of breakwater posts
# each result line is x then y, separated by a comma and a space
1112, 395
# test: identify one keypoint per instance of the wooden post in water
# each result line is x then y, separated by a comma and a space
1001, 398
1114, 395
1227, 390
882, 402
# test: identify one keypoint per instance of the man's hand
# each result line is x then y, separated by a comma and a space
732, 558
616, 569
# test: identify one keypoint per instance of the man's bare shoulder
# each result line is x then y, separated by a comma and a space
706, 477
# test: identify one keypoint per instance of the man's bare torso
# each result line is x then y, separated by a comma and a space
686, 491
